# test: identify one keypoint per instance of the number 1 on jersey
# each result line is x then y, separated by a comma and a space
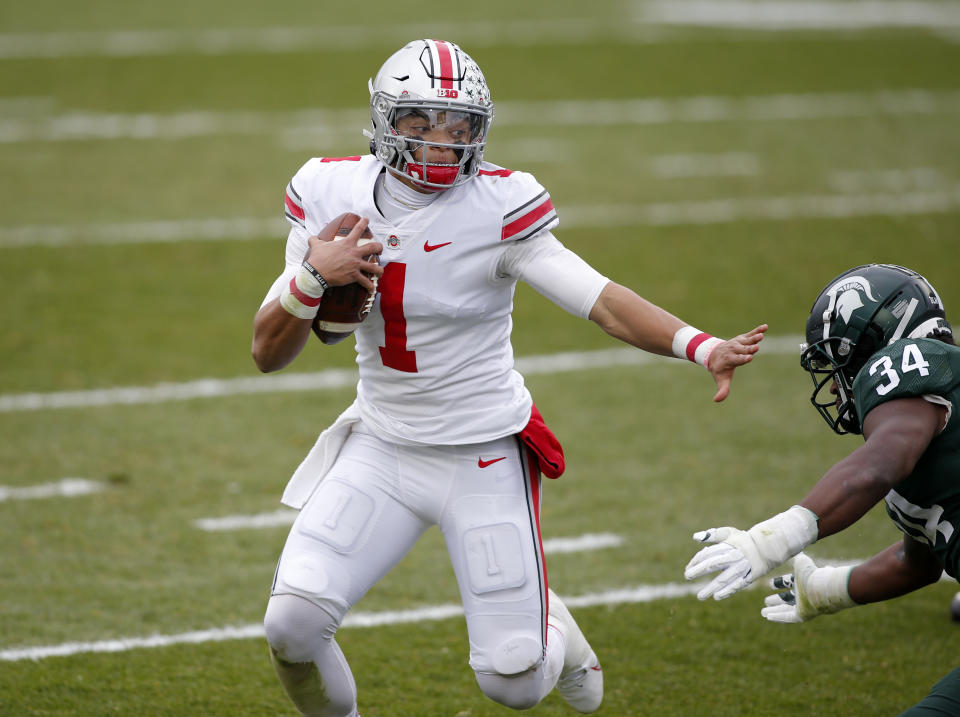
394, 354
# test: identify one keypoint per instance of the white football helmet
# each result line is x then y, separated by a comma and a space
440, 83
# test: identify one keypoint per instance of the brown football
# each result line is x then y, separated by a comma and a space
343, 308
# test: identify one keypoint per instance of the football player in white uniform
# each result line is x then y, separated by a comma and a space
443, 431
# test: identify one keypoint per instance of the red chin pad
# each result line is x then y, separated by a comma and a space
437, 174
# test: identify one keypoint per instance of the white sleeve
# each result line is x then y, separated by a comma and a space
296, 251
554, 272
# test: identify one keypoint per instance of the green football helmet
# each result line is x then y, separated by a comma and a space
857, 314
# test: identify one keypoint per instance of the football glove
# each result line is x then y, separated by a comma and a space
810, 591
743, 556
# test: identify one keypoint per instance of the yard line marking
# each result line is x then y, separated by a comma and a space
285, 517
286, 39
159, 393
801, 14
145, 232
123, 644
637, 594
724, 211
727, 164
330, 379
886, 180
623, 596
337, 125
585, 543
239, 522
945, 199
66, 487
650, 21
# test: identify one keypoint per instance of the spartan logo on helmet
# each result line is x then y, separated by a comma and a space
847, 295
860, 312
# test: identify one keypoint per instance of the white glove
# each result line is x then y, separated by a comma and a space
743, 556
811, 591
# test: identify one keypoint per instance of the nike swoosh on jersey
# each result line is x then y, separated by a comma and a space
483, 464
427, 246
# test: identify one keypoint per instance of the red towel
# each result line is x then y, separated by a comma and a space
545, 446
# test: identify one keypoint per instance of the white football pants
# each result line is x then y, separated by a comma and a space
373, 506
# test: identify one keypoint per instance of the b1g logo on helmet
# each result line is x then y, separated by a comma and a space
443, 92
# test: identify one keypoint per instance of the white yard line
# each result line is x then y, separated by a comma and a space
939, 200
722, 211
160, 393
623, 596
285, 517
286, 39
327, 380
585, 543
341, 125
66, 487
646, 21
272, 519
801, 14
897, 180
638, 594
685, 166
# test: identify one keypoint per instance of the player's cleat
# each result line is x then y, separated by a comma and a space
581, 680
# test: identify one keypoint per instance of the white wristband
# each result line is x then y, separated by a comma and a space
826, 590
779, 538
694, 345
302, 295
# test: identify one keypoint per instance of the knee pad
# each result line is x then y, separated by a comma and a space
294, 625
505, 644
517, 654
519, 692
302, 575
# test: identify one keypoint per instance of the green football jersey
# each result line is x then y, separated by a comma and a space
926, 504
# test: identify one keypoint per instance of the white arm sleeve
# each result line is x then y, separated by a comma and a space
554, 272
296, 251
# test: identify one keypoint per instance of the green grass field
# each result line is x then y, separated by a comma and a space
725, 174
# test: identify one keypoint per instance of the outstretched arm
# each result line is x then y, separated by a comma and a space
811, 591
629, 317
902, 568
898, 432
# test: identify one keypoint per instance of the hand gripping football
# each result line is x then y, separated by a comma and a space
343, 308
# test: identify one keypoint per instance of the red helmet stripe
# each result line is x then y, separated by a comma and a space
446, 64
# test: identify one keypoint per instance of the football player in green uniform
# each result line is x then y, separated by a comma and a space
884, 364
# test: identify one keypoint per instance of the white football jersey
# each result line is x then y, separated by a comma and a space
435, 359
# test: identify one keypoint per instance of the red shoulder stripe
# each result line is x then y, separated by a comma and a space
518, 225
355, 158
496, 172
293, 208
